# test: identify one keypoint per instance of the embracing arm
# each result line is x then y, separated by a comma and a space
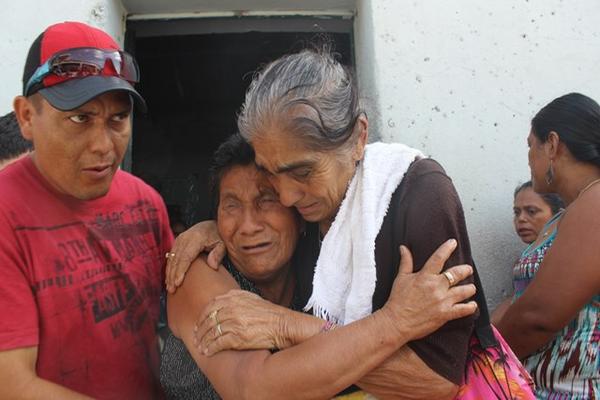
19, 379
327, 363
425, 212
200, 238
431, 367
249, 322
567, 279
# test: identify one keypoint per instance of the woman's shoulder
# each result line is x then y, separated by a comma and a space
425, 166
424, 179
583, 214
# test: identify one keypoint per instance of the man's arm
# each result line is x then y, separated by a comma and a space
19, 379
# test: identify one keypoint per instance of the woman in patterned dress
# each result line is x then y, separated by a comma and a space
554, 320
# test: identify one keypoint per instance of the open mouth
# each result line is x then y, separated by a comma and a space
99, 171
256, 248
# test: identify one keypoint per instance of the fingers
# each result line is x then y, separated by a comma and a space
457, 274
219, 343
436, 261
461, 293
406, 261
184, 251
216, 255
188, 246
462, 310
216, 312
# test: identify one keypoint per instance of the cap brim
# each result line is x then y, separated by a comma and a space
76, 92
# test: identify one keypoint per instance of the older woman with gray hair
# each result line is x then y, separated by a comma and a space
361, 202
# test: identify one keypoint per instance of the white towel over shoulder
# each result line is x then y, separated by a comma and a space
345, 276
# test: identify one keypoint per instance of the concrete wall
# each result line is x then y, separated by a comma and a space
23, 21
461, 80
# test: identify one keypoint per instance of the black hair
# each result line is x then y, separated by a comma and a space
576, 119
12, 143
233, 152
553, 200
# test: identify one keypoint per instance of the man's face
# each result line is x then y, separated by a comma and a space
79, 151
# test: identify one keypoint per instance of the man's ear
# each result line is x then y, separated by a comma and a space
362, 124
24, 111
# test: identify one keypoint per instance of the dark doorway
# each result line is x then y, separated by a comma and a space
194, 85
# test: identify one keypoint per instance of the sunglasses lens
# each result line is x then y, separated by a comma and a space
82, 62
76, 69
85, 62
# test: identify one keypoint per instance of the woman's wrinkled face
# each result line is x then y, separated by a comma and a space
259, 232
314, 182
531, 213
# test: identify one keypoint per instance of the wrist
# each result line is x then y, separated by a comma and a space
286, 326
296, 328
393, 328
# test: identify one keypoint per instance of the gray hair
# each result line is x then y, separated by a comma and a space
309, 80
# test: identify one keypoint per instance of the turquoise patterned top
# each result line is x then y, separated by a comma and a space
567, 368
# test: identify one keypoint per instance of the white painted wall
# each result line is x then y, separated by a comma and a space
461, 80
22, 21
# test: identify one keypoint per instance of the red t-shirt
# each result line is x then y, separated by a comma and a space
81, 280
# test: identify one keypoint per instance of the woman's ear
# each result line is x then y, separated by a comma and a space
551, 146
362, 124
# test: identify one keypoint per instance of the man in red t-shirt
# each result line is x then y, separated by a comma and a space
83, 243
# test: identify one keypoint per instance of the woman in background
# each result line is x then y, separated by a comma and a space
532, 210
554, 320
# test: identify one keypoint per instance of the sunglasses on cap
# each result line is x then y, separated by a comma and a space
83, 62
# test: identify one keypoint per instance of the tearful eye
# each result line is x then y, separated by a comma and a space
267, 201
79, 118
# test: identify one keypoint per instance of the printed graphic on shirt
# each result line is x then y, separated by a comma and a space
109, 265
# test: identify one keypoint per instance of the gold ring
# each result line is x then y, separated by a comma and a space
213, 315
219, 331
450, 277
169, 255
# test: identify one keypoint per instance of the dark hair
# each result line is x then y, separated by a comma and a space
12, 143
576, 120
553, 200
310, 78
234, 151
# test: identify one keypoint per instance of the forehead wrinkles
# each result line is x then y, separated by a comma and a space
240, 180
278, 149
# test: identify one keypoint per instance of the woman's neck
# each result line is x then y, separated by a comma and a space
579, 176
325, 225
279, 290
